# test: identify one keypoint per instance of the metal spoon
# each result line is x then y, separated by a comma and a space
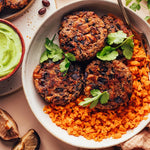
134, 29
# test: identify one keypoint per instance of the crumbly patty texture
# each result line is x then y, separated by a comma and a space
114, 24
113, 77
82, 33
16, 4
1, 5
56, 88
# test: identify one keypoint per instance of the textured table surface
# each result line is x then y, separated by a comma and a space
16, 103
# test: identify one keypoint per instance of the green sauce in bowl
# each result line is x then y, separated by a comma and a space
10, 49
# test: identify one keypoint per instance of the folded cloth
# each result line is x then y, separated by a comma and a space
140, 141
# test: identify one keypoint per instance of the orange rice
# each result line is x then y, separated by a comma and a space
89, 123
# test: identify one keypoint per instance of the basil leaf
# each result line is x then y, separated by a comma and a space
116, 38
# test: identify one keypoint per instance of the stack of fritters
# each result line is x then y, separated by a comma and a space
83, 34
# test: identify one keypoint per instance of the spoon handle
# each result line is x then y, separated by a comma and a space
124, 13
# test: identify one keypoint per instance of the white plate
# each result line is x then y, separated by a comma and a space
48, 29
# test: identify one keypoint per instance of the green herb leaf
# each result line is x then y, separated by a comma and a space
64, 65
95, 92
147, 18
138, 1
93, 104
106, 50
128, 2
70, 56
127, 48
148, 4
87, 99
116, 38
135, 6
107, 54
43, 57
57, 57
111, 56
86, 102
52, 51
104, 98
97, 97
55, 53
127, 53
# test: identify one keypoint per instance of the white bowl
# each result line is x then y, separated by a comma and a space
48, 29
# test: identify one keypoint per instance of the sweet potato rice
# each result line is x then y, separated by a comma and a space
82, 121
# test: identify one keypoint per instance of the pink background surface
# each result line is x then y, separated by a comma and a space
16, 103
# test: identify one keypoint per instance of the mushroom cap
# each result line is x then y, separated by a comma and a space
30, 141
8, 126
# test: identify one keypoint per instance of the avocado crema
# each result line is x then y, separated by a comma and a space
10, 49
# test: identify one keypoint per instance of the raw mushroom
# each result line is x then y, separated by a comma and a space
8, 127
30, 141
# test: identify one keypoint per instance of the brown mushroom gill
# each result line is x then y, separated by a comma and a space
8, 127
30, 141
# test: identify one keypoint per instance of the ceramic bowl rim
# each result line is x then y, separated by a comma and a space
24, 82
22, 50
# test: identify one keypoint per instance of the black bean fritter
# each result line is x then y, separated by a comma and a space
113, 77
56, 88
1, 5
16, 4
114, 24
82, 33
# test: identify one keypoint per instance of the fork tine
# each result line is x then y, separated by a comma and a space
146, 43
124, 13
143, 38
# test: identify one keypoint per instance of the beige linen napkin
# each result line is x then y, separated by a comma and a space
139, 141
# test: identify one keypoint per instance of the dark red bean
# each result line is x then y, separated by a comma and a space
46, 3
42, 11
